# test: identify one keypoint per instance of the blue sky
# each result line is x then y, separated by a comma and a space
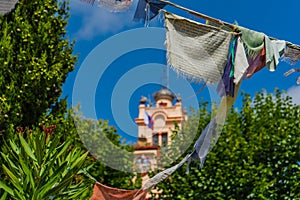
90, 25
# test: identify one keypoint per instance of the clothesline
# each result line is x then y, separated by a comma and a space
200, 15
120, 5
220, 22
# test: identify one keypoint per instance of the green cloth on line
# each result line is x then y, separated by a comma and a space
253, 40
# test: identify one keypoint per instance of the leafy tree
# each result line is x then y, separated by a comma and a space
103, 142
35, 58
255, 158
50, 160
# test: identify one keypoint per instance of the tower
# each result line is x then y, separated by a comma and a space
151, 138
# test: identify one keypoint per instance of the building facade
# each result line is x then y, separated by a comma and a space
155, 125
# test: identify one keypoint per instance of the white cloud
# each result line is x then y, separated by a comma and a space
294, 92
96, 20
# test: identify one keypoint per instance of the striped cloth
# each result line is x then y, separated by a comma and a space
291, 55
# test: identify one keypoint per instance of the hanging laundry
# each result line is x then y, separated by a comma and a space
212, 131
240, 60
235, 68
292, 71
274, 50
183, 53
196, 50
291, 55
163, 175
112, 5
147, 9
225, 105
115, 5
253, 40
205, 142
7, 5
227, 85
256, 64
102, 192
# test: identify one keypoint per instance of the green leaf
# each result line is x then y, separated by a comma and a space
20, 196
78, 163
15, 180
27, 148
54, 179
59, 187
39, 151
7, 159
4, 196
6, 188
52, 145
27, 172
55, 156
14, 147
65, 147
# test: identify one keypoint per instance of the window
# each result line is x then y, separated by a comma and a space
163, 104
143, 164
155, 140
164, 139
159, 121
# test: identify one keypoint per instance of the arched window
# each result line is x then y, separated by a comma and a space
159, 121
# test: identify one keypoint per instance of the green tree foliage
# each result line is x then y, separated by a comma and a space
50, 160
255, 158
35, 58
107, 150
